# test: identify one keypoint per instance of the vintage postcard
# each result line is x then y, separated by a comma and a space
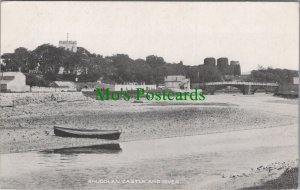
149, 95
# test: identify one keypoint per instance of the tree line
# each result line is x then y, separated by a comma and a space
47, 60
281, 76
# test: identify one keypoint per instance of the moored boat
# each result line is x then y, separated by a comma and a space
87, 133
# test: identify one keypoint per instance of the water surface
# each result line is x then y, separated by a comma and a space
181, 162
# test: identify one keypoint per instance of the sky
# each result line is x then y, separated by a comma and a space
253, 33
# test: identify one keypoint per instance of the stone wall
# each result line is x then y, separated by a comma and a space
15, 99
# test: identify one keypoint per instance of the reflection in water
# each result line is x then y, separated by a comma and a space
94, 149
191, 160
24, 164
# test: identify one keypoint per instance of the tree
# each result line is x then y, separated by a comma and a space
155, 61
142, 72
158, 69
21, 59
209, 73
282, 76
49, 58
9, 62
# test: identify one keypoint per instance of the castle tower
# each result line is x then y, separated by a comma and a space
68, 45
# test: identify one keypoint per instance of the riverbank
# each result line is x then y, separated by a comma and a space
276, 175
237, 133
231, 160
287, 180
30, 127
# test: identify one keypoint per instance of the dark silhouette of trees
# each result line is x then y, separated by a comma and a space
49, 61
281, 76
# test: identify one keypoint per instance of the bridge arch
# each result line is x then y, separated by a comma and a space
244, 87
267, 89
221, 87
259, 88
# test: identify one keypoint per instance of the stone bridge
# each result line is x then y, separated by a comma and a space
244, 87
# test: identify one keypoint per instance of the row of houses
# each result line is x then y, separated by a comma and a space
170, 82
16, 82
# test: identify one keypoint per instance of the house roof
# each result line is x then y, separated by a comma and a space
10, 73
7, 77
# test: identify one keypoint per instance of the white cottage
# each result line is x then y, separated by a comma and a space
177, 82
13, 82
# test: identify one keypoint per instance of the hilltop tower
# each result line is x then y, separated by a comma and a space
68, 45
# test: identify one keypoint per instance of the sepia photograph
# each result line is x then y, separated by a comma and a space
149, 95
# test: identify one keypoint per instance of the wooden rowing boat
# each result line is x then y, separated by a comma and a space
87, 133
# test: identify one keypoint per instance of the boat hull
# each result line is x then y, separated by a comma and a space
81, 133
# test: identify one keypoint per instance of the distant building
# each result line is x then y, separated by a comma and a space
177, 82
128, 86
210, 61
295, 80
222, 65
68, 45
13, 82
66, 85
234, 62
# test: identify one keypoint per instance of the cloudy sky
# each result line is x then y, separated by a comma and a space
255, 34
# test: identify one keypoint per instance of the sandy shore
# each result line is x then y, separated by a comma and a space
30, 126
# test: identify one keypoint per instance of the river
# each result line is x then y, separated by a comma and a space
180, 162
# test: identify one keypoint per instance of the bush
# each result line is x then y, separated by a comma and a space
35, 80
